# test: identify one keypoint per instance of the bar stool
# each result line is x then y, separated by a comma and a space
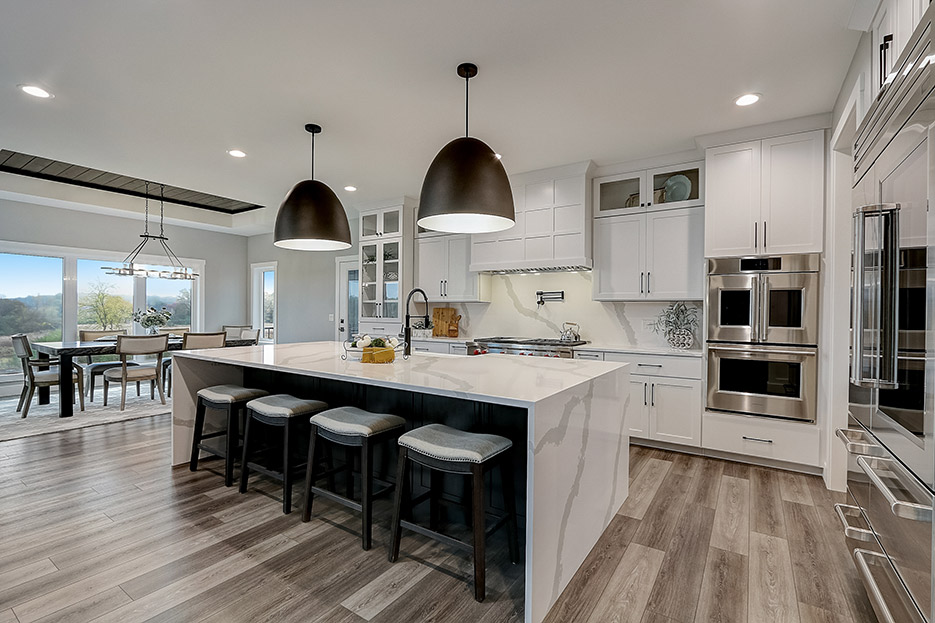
281, 411
229, 398
352, 428
445, 449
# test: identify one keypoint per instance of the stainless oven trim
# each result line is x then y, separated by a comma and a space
803, 408
733, 282
808, 333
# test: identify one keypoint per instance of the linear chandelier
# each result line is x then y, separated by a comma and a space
131, 269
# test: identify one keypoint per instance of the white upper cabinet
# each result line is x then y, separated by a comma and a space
890, 31
553, 224
650, 256
379, 223
765, 197
443, 270
672, 187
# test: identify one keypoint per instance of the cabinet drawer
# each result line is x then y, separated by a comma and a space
763, 437
457, 349
430, 347
379, 328
659, 365
591, 355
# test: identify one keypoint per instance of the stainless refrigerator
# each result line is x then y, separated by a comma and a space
891, 449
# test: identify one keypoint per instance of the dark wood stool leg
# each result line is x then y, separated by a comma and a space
232, 438
310, 475
509, 503
402, 483
286, 468
196, 432
436, 483
366, 492
244, 469
480, 553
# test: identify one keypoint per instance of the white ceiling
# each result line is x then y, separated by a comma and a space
161, 89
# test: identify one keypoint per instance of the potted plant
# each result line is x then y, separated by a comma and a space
151, 319
677, 324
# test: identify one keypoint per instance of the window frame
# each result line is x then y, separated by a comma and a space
257, 269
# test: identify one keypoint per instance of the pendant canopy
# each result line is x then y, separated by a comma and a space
311, 218
466, 189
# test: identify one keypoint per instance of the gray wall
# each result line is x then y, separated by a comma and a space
225, 255
305, 280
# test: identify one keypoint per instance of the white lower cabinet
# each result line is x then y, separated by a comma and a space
665, 409
457, 349
638, 413
768, 438
429, 346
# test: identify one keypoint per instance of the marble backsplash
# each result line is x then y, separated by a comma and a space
512, 311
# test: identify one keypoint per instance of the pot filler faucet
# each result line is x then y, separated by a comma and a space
427, 324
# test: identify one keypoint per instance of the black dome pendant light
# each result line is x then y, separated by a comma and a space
312, 218
466, 189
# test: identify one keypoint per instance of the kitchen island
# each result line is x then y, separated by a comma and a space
566, 418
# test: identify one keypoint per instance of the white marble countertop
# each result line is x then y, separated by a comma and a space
500, 379
640, 350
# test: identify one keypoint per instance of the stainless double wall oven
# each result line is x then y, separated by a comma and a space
890, 438
762, 334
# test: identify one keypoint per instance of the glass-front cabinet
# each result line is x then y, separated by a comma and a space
380, 270
676, 186
379, 223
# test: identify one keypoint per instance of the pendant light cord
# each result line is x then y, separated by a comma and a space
466, 99
162, 210
146, 213
312, 166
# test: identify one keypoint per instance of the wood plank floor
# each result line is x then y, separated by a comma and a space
95, 526
702, 540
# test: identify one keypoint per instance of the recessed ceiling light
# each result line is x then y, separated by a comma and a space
350, 189
747, 99
35, 91
236, 153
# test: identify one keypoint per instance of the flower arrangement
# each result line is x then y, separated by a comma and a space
677, 324
152, 318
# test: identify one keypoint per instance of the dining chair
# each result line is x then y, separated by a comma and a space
191, 341
235, 330
33, 378
94, 369
174, 330
250, 334
128, 346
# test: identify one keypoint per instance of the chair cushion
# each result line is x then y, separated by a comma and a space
450, 444
230, 393
99, 367
356, 422
51, 376
284, 405
133, 373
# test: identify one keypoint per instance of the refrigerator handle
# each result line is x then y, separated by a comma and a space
857, 289
889, 292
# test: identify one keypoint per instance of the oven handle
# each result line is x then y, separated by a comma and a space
755, 351
900, 508
755, 312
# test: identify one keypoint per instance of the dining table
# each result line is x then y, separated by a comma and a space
65, 352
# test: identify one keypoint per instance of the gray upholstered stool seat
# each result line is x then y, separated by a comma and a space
230, 393
279, 411
356, 422
450, 444
285, 406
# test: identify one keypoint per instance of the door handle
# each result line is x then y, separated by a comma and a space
648, 365
887, 613
858, 442
852, 532
756, 439
441, 289
652, 395
641, 282
756, 235
900, 508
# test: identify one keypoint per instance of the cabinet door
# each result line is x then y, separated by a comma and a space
675, 411
732, 200
391, 222
679, 186
433, 263
620, 194
391, 265
460, 283
675, 254
882, 44
369, 281
793, 193
638, 409
619, 257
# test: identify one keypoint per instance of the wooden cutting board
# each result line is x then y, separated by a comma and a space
445, 320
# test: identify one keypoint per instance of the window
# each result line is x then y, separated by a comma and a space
30, 303
264, 300
173, 294
105, 301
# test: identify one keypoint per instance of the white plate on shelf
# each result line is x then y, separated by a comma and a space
678, 188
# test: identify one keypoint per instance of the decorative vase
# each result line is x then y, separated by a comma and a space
152, 330
681, 339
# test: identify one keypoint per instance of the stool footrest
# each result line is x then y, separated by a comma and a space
438, 536
272, 473
335, 497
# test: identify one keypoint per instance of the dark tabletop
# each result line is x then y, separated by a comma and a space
106, 347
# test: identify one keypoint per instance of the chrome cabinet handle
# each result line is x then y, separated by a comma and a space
857, 300
641, 283
379, 328
882, 609
652, 395
764, 235
852, 532
756, 439
588, 356
900, 508
649, 365
649, 282
858, 442
801, 353
889, 294
756, 235
422, 348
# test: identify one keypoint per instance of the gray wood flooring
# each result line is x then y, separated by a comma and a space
96, 526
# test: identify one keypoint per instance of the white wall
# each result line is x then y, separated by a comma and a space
513, 312
306, 287
225, 255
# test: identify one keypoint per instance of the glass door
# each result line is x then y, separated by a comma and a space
732, 304
620, 194
369, 226
790, 309
392, 222
679, 187
369, 281
390, 279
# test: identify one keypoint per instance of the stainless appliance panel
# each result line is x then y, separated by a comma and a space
763, 380
789, 303
732, 308
899, 511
